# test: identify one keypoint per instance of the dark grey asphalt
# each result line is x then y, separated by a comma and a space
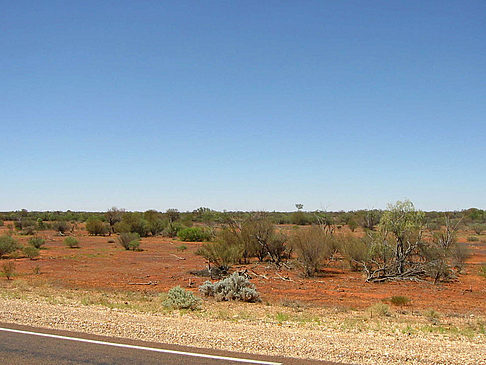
19, 349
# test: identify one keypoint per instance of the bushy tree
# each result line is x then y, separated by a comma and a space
97, 227
7, 245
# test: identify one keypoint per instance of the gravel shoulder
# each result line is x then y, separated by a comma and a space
322, 334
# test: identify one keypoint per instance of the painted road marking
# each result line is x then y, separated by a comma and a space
154, 349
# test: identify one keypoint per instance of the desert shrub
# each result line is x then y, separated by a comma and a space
7, 245
28, 230
133, 222
482, 271
379, 309
8, 269
194, 234
181, 248
37, 242
220, 254
173, 215
1, 223
478, 228
71, 242
312, 246
352, 224
173, 228
459, 253
301, 218
234, 287
432, 315
157, 226
61, 226
113, 216
179, 298
129, 241
354, 251
96, 227
31, 252
399, 300
472, 238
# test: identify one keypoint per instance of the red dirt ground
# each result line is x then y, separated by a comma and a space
102, 265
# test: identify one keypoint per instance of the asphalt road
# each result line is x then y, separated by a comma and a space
26, 345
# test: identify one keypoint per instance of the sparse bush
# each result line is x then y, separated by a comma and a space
173, 228
380, 310
432, 315
173, 215
61, 226
37, 242
71, 242
234, 287
8, 269
96, 227
220, 254
352, 224
7, 245
194, 234
31, 252
399, 300
312, 246
354, 251
301, 218
472, 238
478, 228
181, 248
1, 223
482, 270
129, 241
179, 298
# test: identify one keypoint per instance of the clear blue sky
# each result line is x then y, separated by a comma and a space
242, 104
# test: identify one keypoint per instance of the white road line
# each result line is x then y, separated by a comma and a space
154, 349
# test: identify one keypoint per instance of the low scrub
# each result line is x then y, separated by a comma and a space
37, 242
179, 298
194, 234
31, 252
235, 287
399, 300
312, 247
379, 310
8, 245
8, 270
129, 241
71, 242
97, 227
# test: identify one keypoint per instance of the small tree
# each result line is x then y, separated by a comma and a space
113, 216
8, 269
173, 215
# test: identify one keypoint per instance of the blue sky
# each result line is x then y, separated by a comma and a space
242, 104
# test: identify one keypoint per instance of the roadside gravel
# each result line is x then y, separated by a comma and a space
252, 336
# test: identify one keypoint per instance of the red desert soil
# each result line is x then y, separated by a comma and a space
103, 265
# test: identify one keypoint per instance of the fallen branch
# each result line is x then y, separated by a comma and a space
283, 278
148, 283
177, 257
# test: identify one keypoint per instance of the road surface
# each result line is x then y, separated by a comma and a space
26, 345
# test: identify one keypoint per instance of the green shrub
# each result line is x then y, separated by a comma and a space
220, 254
1, 223
179, 298
312, 246
234, 287
61, 226
7, 245
71, 242
37, 242
354, 251
482, 271
31, 252
472, 238
173, 228
129, 241
432, 315
8, 269
399, 300
194, 234
181, 248
96, 227
379, 310
478, 228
